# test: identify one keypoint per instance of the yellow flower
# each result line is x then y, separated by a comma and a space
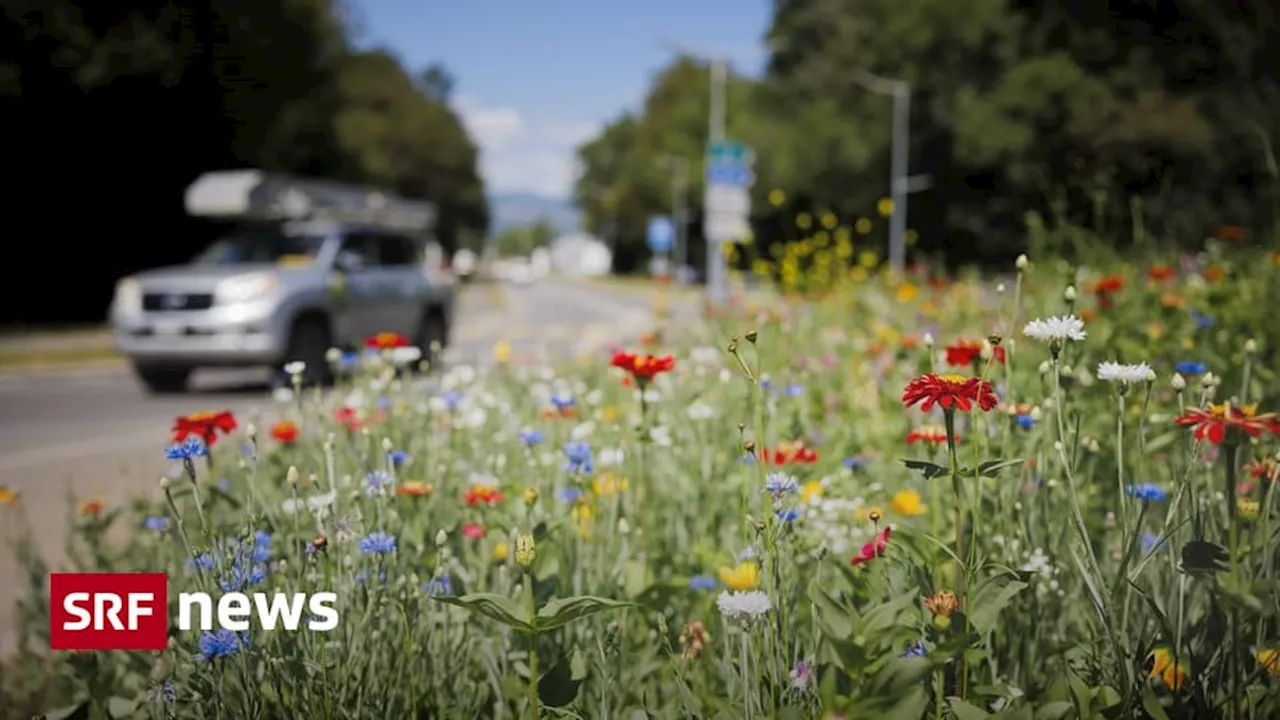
907, 502
907, 292
501, 551
863, 226
911, 237
746, 576
609, 484
829, 221
804, 221
502, 351
530, 495
884, 207
1269, 659
609, 413
777, 197
811, 490
858, 275
867, 259
1173, 675
8, 496
1247, 508
525, 550
1188, 343
1155, 331
583, 516
929, 309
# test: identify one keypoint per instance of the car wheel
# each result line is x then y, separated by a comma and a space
163, 379
309, 342
433, 330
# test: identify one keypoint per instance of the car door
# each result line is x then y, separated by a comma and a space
361, 307
405, 279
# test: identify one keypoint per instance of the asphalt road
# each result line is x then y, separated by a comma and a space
94, 433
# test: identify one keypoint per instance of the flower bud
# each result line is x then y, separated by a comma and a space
251, 430
624, 527
1022, 262
164, 482
442, 537
1251, 346
525, 550
291, 477
928, 340
387, 445
1000, 289
1069, 294
1045, 367
1178, 382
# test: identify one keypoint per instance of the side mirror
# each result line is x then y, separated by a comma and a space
348, 261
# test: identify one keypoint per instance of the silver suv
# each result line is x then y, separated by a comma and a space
274, 291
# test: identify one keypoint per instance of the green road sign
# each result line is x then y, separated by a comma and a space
731, 152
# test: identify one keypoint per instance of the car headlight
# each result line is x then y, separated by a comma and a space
128, 296
245, 288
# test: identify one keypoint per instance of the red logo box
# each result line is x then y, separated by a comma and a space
108, 611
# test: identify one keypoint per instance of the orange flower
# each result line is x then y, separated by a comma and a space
1088, 315
964, 352
788, 454
942, 603
386, 341
1214, 274
205, 425
643, 367
1109, 284
347, 417
1229, 232
414, 488
1160, 272
929, 434
8, 496
90, 508
284, 432
1266, 468
482, 494
1170, 300
1214, 421
909, 342
951, 392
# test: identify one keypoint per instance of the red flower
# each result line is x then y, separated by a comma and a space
1214, 421
643, 367
965, 352
950, 392
1264, 469
284, 432
205, 425
348, 417
874, 549
1160, 272
931, 434
472, 531
386, 341
482, 494
789, 453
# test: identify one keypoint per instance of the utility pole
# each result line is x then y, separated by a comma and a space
717, 286
899, 182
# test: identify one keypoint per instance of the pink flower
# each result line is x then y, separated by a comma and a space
472, 531
873, 549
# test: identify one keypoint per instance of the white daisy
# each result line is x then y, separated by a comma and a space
743, 606
403, 356
1128, 374
700, 411
1067, 327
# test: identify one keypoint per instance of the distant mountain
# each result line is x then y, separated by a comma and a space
518, 210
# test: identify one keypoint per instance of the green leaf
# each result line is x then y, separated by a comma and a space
1056, 710
927, 469
118, 707
1201, 557
559, 687
563, 611
910, 707
964, 711
834, 620
991, 598
79, 711
992, 468
493, 606
1151, 705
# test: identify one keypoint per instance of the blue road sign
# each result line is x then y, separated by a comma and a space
662, 234
729, 174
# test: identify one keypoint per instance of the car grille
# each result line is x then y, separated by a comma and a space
176, 301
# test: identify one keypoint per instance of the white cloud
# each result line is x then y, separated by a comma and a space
522, 154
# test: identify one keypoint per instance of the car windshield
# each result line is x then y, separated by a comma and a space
262, 245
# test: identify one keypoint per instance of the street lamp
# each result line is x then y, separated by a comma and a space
899, 182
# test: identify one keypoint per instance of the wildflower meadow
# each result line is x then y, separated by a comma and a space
1041, 496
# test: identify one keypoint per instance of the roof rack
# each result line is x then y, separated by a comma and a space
256, 195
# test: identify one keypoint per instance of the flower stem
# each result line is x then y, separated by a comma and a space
534, 708
949, 418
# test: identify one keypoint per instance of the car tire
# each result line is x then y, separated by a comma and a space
163, 379
433, 328
309, 342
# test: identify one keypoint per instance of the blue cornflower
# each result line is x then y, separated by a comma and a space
569, 495
349, 361
702, 582
579, 459
383, 402
562, 401
192, 447
1026, 422
1189, 367
377, 481
855, 463
779, 484
915, 649
766, 384
1152, 541
531, 437
221, 644
1147, 492
241, 577
158, 523
161, 693
261, 548
452, 400
439, 586
795, 390
1201, 321
397, 457
377, 543
789, 515
203, 561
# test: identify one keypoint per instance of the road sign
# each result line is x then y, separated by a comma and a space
662, 234
728, 198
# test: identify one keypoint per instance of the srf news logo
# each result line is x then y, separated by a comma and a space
130, 611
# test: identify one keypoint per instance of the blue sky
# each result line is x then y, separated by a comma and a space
535, 78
